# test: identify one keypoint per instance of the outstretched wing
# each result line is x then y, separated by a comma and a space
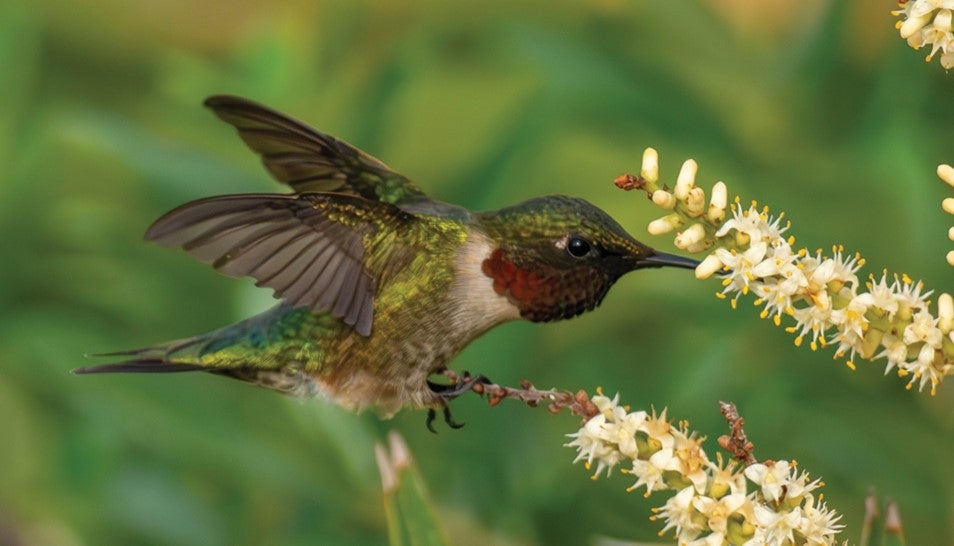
308, 160
311, 248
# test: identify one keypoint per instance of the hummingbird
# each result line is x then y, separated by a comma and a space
379, 285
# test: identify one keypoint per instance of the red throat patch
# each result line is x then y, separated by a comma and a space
509, 280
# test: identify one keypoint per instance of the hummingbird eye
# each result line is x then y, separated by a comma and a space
578, 247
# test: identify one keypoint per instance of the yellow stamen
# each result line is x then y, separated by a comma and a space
851, 365
798, 341
777, 320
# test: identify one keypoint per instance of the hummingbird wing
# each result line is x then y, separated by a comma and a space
311, 248
308, 160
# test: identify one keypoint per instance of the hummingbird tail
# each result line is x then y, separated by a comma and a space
139, 366
157, 359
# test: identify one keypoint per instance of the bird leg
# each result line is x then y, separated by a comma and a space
445, 393
458, 386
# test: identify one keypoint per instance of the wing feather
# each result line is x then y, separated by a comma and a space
309, 160
309, 248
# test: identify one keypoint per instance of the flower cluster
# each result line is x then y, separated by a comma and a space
946, 173
887, 317
928, 23
769, 503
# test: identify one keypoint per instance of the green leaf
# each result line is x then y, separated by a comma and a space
408, 509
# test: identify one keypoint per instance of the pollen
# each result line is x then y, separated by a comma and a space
798, 341
851, 365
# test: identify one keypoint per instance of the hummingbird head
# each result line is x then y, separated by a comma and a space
558, 256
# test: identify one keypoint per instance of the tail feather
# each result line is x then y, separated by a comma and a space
139, 366
167, 357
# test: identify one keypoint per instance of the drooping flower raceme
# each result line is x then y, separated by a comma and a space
886, 317
928, 23
714, 503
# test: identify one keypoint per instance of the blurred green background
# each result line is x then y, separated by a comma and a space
813, 106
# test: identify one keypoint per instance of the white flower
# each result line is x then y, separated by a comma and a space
718, 511
852, 325
649, 473
818, 524
772, 478
880, 295
908, 295
928, 23
592, 447
923, 329
895, 351
715, 539
775, 528
679, 514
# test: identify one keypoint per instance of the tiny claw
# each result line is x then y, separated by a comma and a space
450, 420
431, 415
467, 383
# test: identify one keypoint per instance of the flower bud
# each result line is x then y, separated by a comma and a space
686, 179
718, 203
695, 202
664, 199
650, 169
693, 235
664, 225
710, 265
946, 173
945, 312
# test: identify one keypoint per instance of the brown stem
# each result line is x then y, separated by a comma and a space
736, 442
555, 400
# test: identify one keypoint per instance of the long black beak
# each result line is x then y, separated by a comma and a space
661, 259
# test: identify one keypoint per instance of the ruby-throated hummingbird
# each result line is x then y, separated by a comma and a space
381, 286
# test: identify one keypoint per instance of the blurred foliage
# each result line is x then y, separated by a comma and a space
410, 511
813, 106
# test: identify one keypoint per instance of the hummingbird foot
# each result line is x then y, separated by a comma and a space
448, 418
447, 392
459, 384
